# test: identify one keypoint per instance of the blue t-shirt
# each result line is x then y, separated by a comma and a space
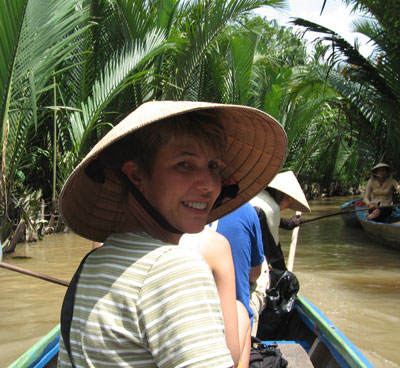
243, 231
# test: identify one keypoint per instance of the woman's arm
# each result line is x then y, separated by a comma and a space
255, 272
367, 193
216, 250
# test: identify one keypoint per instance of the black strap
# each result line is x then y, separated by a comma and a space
95, 170
67, 309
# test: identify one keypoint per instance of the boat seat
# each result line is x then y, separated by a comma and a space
295, 354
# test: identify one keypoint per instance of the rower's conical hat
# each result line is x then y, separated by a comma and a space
381, 164
287, 183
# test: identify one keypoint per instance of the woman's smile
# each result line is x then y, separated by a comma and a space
196, 205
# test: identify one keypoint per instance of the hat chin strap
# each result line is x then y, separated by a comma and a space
150, 210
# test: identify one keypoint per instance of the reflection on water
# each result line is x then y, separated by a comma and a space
354, 281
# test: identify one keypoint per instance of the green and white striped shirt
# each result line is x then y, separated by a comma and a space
142, 303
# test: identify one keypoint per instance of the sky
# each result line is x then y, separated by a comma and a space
336, 16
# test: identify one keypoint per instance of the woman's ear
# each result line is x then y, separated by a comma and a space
134, 174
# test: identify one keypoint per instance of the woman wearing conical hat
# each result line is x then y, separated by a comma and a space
379, 192
167, 169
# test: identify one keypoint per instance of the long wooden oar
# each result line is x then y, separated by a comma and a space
341, 213
293, 245
34, 274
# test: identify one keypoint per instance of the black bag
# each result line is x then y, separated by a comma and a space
280, 303
265, 356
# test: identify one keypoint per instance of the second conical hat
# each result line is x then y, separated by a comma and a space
287, 183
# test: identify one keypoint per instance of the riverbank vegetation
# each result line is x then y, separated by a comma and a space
71, 69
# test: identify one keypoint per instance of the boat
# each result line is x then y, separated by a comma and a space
43, 354
310, 333
386, 233
349, 215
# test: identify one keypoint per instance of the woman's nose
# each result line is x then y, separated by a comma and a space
208, 180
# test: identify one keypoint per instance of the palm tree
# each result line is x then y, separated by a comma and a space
372, 85
200, 23
36, 37
73, 68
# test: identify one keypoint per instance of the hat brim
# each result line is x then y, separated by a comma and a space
381, 164
256, 150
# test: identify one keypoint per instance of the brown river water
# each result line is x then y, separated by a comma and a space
352, 280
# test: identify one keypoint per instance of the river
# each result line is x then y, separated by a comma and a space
352, 280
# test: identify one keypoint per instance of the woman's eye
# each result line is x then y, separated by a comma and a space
183, 164
213, 165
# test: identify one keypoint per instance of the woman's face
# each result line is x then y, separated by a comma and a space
381, 172
184, 184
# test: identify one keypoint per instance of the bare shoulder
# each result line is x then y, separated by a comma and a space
214, 242
211, 235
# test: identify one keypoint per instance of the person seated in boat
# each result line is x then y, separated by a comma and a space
167, 169
378, 195
282, 193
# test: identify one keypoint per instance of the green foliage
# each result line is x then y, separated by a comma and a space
371, 85
72, 69
11, 21
40, 35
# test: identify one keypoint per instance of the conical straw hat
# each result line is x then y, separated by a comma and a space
255, 153
287, 183
381, 164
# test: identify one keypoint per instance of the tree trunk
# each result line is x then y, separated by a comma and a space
15, 239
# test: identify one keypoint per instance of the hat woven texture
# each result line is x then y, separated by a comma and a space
255, 153
287, 183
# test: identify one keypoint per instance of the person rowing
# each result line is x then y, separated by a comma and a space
378, 195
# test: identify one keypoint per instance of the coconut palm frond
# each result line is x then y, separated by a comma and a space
139, 16
339, 44
243, 47
12, 16
358, 65
101, 39
116, 75
367, 27
48, 34
219, 73
202, 25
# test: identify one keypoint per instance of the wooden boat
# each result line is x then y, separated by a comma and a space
387, 233
43, 354
350, 219
310, 334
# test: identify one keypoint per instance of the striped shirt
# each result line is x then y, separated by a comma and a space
142, 303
